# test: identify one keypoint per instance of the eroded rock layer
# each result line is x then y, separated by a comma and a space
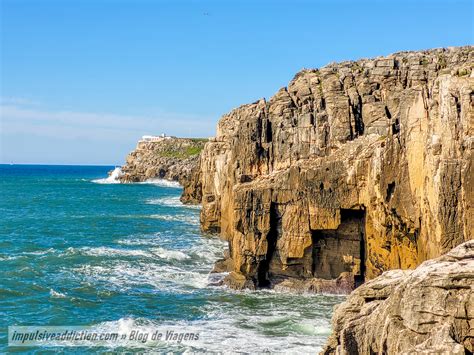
353, 169
426, 311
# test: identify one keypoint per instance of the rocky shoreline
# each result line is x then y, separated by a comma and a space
170, 159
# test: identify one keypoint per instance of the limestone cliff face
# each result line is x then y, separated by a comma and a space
426, 311
353, 169
171, 159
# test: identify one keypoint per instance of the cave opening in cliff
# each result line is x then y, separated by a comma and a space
341, 250
263, 279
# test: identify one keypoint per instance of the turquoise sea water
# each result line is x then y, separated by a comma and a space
76, 251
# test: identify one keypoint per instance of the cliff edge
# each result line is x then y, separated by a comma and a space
353, 169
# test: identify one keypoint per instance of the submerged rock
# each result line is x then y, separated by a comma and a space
355, 168
429, 310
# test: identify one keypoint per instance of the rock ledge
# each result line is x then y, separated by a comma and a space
429, 310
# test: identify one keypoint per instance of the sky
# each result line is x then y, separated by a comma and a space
82, 80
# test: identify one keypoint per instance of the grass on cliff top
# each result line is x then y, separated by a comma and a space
180, 152
199, 140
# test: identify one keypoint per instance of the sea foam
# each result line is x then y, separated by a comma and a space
113, 178
223, 331
171, 202
169, 254
56, 294
162, 183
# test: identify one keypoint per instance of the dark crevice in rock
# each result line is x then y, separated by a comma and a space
371, 299
390, 190
458, 106
396, 126
268, 132
264, 265
358, 121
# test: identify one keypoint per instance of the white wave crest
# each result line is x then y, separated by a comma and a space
124, 276
6, 258
207, 250
162, 183
138, 241
169, 254
56, 294
113, 178
160, 252
106, 251
171, 202
222, 332
204, 251
190, 219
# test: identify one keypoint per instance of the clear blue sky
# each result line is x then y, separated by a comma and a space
82, 80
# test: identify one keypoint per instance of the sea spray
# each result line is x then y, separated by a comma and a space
113, 178
117, 173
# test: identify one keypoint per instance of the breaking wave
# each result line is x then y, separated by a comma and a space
56, 294
171, 202
113, 178
123, 276
169, 254
111, 252
162, 183
264, 330
190, 219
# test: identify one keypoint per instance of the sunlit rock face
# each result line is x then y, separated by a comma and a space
425, 311
351, 170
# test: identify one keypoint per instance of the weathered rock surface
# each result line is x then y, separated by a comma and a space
357, 167
171, 159
429, 310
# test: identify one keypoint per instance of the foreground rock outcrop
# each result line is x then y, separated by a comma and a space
426, 311
169, 158
353, 169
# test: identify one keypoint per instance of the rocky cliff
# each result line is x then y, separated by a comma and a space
170, 158
426, 311
353, 169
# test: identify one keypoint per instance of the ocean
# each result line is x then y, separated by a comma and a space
77, 249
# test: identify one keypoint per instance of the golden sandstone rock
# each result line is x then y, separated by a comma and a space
355, 168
